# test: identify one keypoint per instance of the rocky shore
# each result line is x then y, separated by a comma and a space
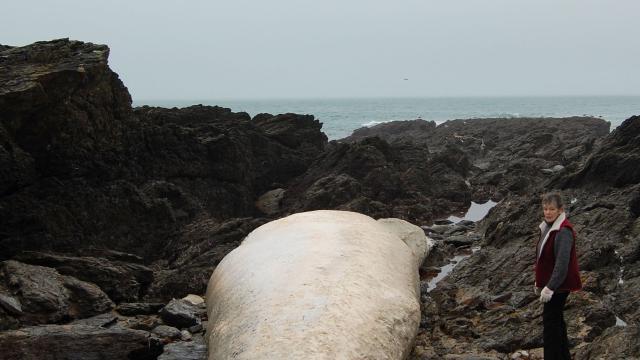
111, 216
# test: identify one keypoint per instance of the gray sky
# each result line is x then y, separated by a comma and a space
308, 48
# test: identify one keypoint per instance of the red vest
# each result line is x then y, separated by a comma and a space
546, 262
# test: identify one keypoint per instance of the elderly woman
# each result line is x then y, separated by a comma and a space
557, 274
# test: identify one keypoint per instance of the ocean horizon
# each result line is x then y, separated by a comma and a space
340, 116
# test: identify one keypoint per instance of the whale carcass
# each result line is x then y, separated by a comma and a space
318, 285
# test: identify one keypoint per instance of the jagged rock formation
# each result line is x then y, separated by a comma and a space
487, 304
381, 180
97, 194
79, 168
500, 156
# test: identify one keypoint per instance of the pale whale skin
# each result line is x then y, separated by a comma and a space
318, 285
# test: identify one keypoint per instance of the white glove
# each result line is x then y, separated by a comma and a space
546, 294
536, 290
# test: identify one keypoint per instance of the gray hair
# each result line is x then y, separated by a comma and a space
553, 198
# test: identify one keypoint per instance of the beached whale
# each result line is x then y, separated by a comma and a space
318, 285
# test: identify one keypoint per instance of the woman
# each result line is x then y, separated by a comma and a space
557, 274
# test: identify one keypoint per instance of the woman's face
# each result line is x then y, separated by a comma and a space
551, 212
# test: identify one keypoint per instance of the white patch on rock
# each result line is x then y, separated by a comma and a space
553, 170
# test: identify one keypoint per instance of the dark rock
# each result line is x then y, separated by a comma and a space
392, 131
46, 296
79, 168
599, 318
634, 204
111, 255
467, 223
300, 132
614, 343
455, 229
180, 313
438, 229
122, 281
194, 256
166, 333
269, 203
616, 162
102, 320
50, 342
380, 179
502, 298
442, 222
183, 350
196, 328
458, 240
498, 155
599, 205
130, 309
439, 256
10, 304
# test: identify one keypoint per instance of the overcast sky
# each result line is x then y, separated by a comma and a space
309, 48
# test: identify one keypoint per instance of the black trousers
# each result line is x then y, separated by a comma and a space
556, 343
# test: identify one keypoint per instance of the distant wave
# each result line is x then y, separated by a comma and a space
374, 123
501, 116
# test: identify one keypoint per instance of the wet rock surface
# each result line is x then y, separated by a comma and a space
107, 213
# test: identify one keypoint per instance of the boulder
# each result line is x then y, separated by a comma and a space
46, 296
166, 333
300, 132
122, 281
269, 202
10, 304
616, 163
180, 313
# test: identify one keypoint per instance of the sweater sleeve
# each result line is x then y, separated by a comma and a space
562, 253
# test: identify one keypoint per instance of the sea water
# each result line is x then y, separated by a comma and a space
341, 116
